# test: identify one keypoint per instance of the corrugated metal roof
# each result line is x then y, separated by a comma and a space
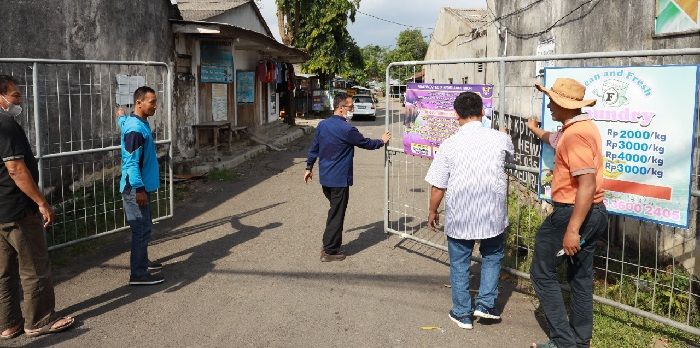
476, 16
197, 10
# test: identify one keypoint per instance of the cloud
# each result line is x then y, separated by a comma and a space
370, 31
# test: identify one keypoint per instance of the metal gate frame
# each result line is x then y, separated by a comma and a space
35, 65
390, 151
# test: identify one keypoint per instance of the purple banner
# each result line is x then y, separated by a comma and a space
430, 117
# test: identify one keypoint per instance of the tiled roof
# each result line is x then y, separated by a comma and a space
197, 10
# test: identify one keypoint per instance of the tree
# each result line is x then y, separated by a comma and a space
410, 45
320, 27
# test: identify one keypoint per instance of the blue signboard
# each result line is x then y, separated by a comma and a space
216, 62
245, 86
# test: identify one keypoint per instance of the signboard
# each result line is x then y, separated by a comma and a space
676, 16
219, 102
646, 117
430, 116
216, 62
245, 86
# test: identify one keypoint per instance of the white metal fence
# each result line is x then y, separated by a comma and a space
69, 118
640, 267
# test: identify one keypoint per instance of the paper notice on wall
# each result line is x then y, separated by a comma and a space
126, 86
219, 102
544, 48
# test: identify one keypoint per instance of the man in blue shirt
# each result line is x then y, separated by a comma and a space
334, 145
140, 176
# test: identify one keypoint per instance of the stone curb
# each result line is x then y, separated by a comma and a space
253, 152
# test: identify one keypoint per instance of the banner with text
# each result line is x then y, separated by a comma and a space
646, 118
430, 116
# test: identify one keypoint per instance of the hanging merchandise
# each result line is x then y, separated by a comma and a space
266, 71
261, 70
281, 78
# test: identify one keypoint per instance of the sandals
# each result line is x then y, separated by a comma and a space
48, 329
11, 335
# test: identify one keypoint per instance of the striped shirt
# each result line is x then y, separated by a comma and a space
470, 165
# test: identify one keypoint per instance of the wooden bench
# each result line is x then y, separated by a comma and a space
215, 127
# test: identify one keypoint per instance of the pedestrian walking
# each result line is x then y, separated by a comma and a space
334, 146
24, 258
140, 177
468, 171
568, 235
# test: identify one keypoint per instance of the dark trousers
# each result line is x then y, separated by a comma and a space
333, 235
24, 260
577, 329
139, 219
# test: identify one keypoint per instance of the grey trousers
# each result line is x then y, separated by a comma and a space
24, 261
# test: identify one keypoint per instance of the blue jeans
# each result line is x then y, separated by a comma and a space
460, 251
139, 219
576, 329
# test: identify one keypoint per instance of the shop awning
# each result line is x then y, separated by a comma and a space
242, 38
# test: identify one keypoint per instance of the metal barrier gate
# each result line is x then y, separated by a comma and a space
647, 281
69, 108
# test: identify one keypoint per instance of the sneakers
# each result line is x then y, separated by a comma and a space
484, 313
464, 322
148, 279
154, 266
331, 257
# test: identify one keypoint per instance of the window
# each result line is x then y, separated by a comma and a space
480, 67
465, 80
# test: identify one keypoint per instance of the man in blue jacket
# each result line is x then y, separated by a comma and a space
139, 178
334, 145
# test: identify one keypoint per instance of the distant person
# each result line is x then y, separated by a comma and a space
334, 145
469, 170
24, 213
140, 177
578, 220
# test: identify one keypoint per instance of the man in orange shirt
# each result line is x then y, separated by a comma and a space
578, 219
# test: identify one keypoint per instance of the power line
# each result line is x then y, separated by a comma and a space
557, 22
392, 22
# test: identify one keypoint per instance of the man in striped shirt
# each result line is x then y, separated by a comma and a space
468, 171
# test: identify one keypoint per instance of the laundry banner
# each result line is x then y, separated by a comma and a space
646, 118
430, 117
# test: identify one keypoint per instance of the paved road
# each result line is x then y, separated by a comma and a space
243, 270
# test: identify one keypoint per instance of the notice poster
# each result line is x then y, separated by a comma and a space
430, 117
646, 117
216, 63
245, 86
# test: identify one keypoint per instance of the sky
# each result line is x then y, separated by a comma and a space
370, 31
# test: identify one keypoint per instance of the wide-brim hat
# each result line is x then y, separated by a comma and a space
567, 93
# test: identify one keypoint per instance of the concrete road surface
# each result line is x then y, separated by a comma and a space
242, 270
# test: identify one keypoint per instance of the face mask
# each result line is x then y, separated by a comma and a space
13, 110
348, 114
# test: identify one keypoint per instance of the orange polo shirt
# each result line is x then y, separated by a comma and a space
579, 151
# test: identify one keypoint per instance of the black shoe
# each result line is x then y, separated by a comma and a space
154, 266
148, 279
331, 257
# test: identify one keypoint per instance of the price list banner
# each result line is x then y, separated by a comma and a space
430, 116
646, 118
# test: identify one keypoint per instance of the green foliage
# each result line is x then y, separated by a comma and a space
320, 27
667, 295
523, 222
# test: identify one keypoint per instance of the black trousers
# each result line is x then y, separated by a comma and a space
576, 329
333, 235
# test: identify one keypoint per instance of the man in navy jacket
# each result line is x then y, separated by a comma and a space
334, 145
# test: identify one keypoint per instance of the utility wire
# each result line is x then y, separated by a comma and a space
392, 22
557, 22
